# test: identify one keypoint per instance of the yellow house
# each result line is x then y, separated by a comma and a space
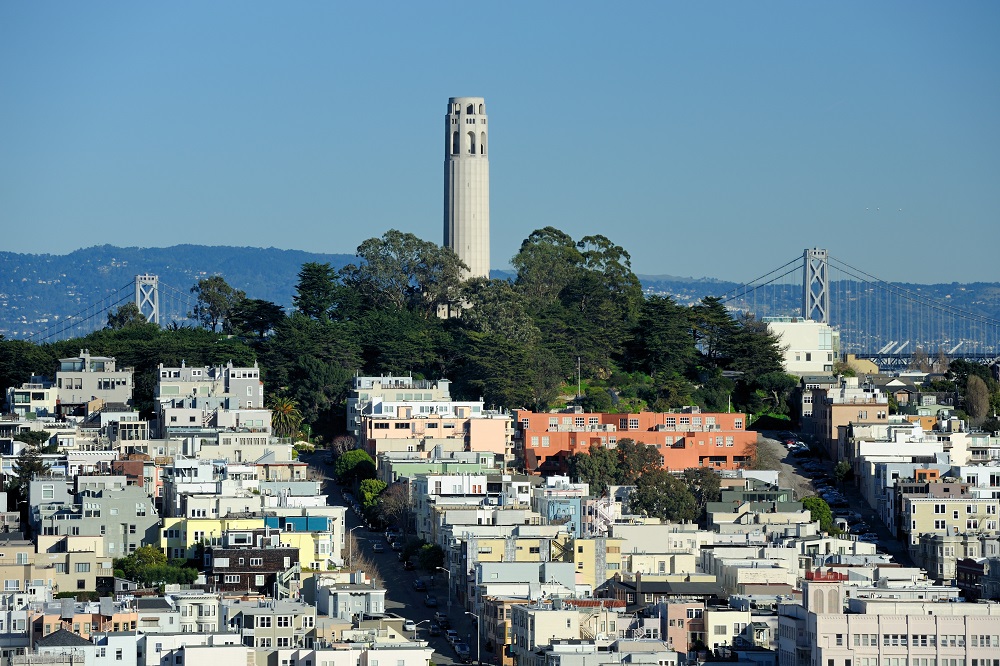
315, 548
520, 549
179, 537
597, 559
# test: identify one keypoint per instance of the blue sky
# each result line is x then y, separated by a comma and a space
708, 139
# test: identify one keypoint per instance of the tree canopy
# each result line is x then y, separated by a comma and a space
573, 303
820, 512
216, 300
149, 567
661, 495
354, 466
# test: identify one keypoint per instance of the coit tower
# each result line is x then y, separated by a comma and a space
467, 183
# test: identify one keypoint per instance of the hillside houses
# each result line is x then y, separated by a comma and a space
554, 569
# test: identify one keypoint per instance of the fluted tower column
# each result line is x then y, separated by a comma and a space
467, 183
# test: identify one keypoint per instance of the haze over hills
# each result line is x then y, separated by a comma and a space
35, 289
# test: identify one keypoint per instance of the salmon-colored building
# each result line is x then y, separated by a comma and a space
686, 438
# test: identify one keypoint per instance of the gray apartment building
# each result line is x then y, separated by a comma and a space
122, 515
267, 623
83, 379
219, 397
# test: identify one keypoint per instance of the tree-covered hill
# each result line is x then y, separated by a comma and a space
35, 289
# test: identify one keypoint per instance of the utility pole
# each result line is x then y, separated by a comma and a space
579, 383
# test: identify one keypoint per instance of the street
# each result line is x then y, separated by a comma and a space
401, 598
793, 475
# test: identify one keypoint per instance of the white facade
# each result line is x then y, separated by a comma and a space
810, 347
364, 390
36, 397
467, 183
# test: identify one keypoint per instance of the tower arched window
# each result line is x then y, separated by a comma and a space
472, 143
455, 143
471, 109
482, 109
818, 606
482, 143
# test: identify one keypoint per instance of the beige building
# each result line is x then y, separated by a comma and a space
944, 516
538, 625
62, 571
850, 403
881, 632
496, 614
722, 625
457, 427
85, 381
597, 559
364, 390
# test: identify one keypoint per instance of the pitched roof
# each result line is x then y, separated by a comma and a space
153, 603
62, 638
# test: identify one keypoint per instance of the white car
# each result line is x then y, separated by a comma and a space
409, 625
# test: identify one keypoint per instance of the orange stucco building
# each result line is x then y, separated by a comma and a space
687, 438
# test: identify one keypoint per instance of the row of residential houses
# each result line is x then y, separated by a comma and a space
556, 573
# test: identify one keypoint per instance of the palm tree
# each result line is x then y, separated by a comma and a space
285, 416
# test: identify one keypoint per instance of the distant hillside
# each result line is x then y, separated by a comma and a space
36, 290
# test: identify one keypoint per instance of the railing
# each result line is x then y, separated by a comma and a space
829, 576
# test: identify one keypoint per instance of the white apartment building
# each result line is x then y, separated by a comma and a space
810, 347
393, 389
38, 397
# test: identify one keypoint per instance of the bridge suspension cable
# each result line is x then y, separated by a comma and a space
78, 319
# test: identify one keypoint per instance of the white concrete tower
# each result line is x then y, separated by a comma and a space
467, 183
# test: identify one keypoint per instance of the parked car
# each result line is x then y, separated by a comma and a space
430, 601
869, 538
419, 585
397, 546
452, 636
378, 547
409, 625
462, 651
408, 565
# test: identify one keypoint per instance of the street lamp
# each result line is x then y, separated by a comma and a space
415, 628
447, 571
350, 546
479, 635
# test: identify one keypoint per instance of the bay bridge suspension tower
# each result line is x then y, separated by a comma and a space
889, 323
